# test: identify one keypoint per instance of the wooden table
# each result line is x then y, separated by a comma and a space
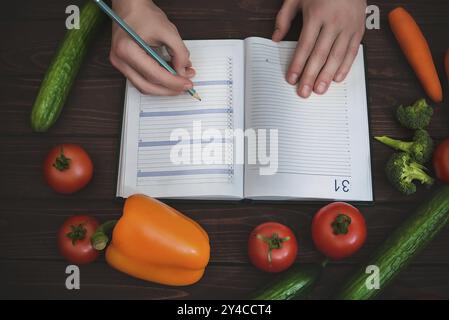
30, 213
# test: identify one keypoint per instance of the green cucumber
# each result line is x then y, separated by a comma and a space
63, 69
401, 247
293, 285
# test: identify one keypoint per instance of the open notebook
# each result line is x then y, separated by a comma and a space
322, 143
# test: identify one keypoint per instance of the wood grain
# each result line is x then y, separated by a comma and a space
30, 266
28, 56
21, 158
29, 228
194, 10
28, 279
95, 107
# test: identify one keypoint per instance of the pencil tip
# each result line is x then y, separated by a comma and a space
197, 96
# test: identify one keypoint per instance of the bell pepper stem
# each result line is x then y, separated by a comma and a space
100, 238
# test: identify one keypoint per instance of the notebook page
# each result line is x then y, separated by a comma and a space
148, 142
122, 158
323, 141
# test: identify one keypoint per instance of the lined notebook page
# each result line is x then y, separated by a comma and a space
150, 121
323, 141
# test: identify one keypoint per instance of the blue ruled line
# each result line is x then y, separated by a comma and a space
183, 112
143, 144
146, 174
212, 83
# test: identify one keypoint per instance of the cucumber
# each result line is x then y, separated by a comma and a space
400, 248
63, 69
295, 284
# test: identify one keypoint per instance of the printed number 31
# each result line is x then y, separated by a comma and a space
342, 185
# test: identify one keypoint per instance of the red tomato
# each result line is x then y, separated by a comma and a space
272, 247
338, 230
74, 239
68, 168
441, 161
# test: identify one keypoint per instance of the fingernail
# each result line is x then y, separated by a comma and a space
293, 78
321, 87
306, 91
339, 77
188, 87
190, 72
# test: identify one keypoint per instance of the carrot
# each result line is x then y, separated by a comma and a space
446, 64
417, 51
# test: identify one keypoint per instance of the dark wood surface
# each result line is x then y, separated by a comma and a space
30, 213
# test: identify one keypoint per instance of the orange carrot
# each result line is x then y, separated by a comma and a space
417, 51
446, 65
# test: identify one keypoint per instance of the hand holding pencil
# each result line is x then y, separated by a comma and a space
143, 70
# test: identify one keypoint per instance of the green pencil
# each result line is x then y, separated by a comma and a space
103, 6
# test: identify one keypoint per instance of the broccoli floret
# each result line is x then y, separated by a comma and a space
402, 171
420, 148
416, 116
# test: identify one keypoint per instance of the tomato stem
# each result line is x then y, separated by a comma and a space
273, 242
100, 238
78, 232
341, 224
62, 162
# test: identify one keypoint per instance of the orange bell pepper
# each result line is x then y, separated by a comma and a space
154, 242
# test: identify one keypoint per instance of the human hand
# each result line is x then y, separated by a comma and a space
329, 41
144, 72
